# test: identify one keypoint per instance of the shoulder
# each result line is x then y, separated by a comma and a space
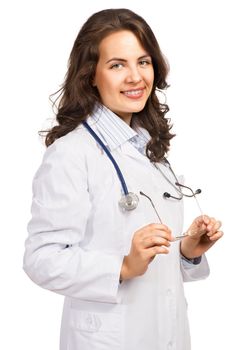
67, 155
76, 143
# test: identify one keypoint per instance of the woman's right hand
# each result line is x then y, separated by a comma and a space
147, 242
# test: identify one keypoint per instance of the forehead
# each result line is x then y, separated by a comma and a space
121, 44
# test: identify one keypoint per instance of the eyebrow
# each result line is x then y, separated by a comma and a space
123, 60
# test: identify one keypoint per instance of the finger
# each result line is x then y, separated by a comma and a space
198, 226
213, 229
161, 227
214, 226
155, 240
157, 233
199, 220
215, 237
151, 228
212, 223
205, 219
151, 252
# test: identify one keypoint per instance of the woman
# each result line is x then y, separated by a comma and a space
109, 246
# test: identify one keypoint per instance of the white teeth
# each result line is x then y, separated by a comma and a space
133, 93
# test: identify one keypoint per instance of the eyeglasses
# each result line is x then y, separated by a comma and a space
189, 194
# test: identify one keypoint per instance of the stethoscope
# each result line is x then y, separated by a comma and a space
129, 200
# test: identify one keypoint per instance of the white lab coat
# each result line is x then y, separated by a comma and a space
78, 237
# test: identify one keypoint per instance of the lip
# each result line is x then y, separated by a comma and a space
134, 93
142, 88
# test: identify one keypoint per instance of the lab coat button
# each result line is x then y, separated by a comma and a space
89, 320
93, 323
169, 345
169, 292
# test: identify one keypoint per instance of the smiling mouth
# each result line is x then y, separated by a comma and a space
133, 93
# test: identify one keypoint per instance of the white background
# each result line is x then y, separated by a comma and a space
36, 39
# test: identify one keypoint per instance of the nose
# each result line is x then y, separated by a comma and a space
133, 75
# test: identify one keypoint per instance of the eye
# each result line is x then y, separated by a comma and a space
116, 66
145, 63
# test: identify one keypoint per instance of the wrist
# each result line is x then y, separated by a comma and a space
125, 272
187, 249
194, 261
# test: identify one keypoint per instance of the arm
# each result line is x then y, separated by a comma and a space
53, 256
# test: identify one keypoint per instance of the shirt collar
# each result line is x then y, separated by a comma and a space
114, 131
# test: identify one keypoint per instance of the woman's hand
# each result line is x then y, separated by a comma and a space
202, 234
147, 242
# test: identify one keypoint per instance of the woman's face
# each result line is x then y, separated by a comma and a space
124, 74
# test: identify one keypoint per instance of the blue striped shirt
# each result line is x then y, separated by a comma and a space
115, 132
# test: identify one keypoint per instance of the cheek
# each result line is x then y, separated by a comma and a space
149, 77
108, 85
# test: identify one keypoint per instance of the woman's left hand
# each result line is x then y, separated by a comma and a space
202, 234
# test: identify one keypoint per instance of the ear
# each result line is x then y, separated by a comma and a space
94, 82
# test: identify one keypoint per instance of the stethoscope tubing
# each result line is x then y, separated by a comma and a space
119, 173
130, 200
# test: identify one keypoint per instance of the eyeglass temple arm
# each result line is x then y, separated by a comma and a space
143, 194
198, 191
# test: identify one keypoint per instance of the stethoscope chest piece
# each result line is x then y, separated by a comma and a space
128, 201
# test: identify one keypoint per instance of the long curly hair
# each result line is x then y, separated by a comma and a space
77, 96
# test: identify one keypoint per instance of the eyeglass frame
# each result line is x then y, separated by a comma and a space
168, 195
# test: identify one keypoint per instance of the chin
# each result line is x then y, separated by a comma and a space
137, 109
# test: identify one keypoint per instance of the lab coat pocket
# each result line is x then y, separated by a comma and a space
95, 329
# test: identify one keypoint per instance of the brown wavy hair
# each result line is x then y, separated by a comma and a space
78, 96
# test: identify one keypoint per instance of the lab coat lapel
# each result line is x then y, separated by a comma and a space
132, 152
